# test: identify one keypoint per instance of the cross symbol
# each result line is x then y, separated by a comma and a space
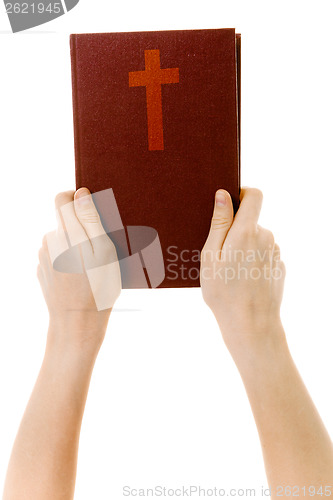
152, 78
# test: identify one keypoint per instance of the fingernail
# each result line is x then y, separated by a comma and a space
220, 199
82, 196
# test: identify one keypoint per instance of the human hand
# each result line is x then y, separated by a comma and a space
79, 301
242, 275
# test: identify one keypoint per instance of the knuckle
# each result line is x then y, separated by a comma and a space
266, 236
248, 230
44, 241
269, 237
63, 197
257, 194
218, 223
250, 192
90, 216
58, 198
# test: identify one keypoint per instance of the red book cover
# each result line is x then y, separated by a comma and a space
157, 119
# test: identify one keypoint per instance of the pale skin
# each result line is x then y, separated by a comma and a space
296, 447
44, 457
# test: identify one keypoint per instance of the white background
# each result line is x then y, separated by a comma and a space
166, 404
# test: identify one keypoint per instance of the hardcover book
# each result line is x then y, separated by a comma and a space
157, 125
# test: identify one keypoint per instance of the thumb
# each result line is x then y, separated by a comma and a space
221, 221
87, 213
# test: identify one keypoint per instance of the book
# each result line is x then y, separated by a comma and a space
157, 124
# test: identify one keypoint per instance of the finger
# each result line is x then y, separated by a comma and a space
88, 216
221, 221
67, 219
249, 208
63, 198
60, 200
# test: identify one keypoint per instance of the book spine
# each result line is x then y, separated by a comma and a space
238, 94
73, 52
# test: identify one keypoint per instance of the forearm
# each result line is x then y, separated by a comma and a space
296, 447
44, 457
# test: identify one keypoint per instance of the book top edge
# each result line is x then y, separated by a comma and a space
204, 30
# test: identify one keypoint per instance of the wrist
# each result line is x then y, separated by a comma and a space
259, 345
77, 331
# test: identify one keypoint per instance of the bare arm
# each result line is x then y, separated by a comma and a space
296, 447
245, 297
44, 457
